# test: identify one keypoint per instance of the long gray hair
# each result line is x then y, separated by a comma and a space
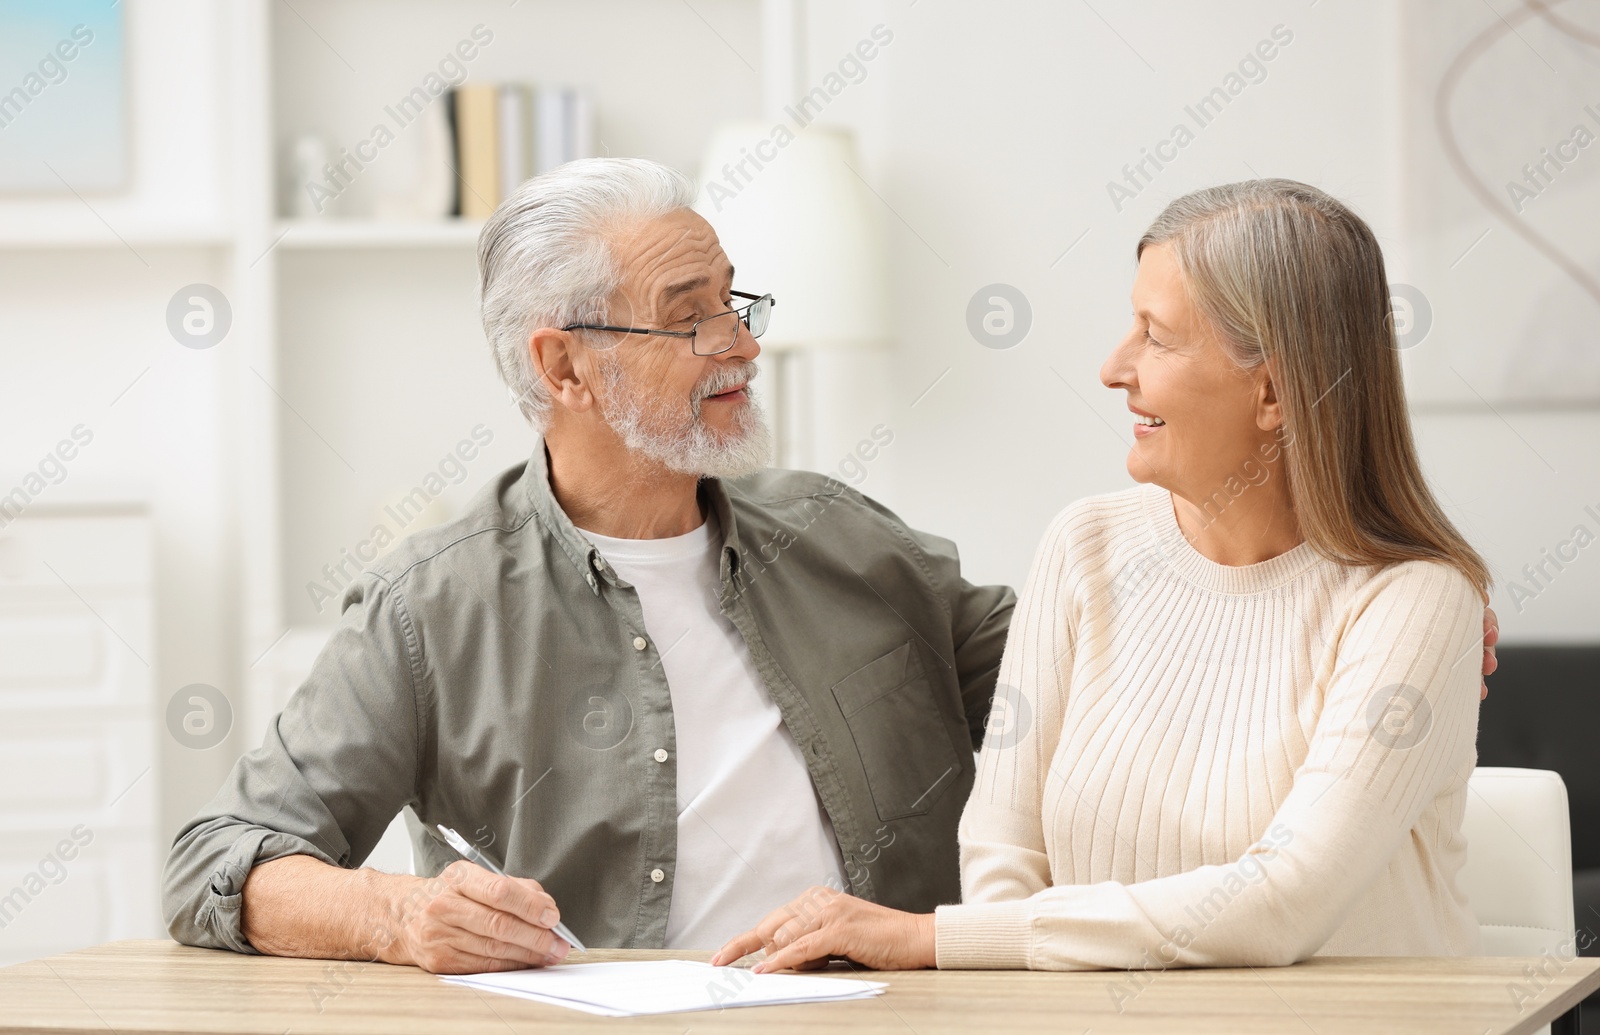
1292, 278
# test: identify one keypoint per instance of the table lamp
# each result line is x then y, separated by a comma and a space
796, 219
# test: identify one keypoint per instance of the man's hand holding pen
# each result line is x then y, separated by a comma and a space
478, 921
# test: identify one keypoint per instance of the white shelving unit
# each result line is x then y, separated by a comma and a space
307, 234
93, 641
91, 233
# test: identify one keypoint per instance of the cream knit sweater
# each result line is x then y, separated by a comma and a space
1219, 766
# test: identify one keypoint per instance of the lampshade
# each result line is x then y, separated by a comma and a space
795, 220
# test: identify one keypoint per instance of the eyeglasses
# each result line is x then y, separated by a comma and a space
712, 336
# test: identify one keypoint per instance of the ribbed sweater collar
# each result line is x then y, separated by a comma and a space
1162, 526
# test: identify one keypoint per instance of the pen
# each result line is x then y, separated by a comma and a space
471, 854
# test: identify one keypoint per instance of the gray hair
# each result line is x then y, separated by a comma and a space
544, 257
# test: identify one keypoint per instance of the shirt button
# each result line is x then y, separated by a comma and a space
639, 643
657, 876
661, 754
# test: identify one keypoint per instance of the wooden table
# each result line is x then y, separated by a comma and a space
147, 986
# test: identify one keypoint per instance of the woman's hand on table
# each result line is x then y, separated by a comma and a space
825, 924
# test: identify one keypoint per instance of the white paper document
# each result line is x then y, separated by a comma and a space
632, 989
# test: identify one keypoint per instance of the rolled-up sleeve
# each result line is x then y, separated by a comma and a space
335, 767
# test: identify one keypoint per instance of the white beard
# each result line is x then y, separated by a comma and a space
687, 446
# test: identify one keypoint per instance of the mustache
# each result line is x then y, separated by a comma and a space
723, 378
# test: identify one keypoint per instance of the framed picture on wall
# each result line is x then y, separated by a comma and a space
63, 102
1498, 278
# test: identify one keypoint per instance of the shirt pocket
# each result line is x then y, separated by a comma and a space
901, 736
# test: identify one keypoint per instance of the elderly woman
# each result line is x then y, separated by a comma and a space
1244, 692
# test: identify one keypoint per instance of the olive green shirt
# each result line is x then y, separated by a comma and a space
494, 675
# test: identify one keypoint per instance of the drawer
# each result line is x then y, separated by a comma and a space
91, 552
61, 773
60, 654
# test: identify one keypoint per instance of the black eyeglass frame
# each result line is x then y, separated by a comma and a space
742, 313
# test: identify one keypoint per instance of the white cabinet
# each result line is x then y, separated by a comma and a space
78, 726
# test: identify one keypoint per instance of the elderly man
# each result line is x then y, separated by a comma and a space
665, 687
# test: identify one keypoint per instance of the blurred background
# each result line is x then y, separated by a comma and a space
241, 353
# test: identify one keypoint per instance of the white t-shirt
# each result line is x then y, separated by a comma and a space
752, 835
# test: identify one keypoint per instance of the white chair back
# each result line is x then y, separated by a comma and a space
1518, 873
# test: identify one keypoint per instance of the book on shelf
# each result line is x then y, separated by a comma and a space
516, 135
478, 148
503, 133
455, 157
565, 128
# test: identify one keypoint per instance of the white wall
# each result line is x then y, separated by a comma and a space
990, 132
